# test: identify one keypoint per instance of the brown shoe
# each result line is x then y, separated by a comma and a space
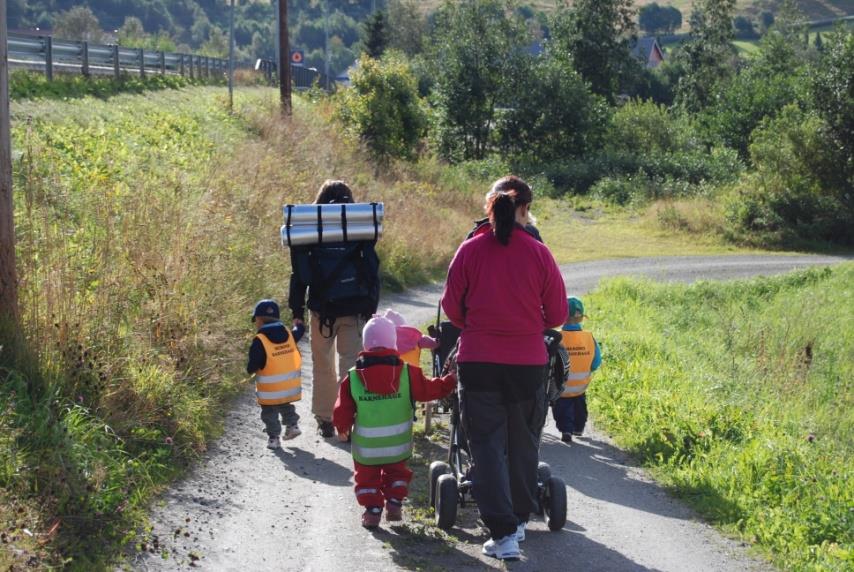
371, 517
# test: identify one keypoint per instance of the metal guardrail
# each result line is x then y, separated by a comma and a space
51, 54
301, 76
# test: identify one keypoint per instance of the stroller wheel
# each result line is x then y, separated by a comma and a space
437, 469
544, 471
447, 497
554, 503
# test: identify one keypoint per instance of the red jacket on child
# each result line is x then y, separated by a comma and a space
380, 371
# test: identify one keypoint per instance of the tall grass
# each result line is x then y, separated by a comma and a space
147, 226
740, 396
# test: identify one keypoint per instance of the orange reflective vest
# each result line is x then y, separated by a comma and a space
581, 348
412, 357
279, 380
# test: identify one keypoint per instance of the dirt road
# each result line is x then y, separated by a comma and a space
246, 508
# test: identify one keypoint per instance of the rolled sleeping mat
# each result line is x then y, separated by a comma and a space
320, 224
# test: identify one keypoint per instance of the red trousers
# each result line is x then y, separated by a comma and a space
375, 483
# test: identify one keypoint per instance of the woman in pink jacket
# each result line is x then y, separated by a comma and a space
503, 289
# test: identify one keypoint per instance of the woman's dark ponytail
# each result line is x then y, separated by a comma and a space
503, 216
506, 195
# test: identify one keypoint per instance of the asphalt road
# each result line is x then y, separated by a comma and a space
246, 508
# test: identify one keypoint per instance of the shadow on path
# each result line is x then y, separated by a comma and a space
306, 465
599, 470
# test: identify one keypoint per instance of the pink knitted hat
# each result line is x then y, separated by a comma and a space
379, 332
395, 317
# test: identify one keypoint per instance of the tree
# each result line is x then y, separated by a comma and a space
832, 94
552, 114
78, 23
376, 36
655, 19
383, 107
132, 33
407, 27
596, 35
216, 45
707, 55
474, 51
744, 29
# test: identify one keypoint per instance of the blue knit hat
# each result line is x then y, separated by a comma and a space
266, 309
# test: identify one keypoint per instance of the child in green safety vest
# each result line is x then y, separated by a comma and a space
374, 409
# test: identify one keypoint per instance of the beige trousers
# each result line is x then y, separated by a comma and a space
346, 339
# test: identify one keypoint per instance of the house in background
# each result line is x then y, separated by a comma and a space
647, 51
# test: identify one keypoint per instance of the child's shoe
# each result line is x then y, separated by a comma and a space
371, 517
291, 431
506, 548
274, 443
578, 433
566, 437
394, 510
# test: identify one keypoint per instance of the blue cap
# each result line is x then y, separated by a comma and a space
266, 309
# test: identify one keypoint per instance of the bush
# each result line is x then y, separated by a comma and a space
645, 127
383, 107
784, 200
684, 170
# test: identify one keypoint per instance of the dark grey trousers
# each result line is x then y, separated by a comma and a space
270, 416
504, 437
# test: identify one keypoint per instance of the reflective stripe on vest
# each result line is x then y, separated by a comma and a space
412, 357
581, 349
382, 432
279, 381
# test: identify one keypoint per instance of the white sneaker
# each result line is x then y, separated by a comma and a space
520, 532
274, 443
291, 431
506, 548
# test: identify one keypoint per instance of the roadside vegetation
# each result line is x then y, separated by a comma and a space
754, 150
739, 396
147, 227
33, 85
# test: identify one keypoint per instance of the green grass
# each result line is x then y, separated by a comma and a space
579, 229
33, 85
739, 396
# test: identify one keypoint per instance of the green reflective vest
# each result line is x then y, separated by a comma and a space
382, 433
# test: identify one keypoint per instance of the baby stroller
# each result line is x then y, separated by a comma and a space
451, 482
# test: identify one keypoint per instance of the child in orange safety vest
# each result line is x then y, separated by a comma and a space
275, 361
376, 403
570, 410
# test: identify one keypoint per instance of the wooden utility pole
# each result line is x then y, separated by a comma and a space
8, 275
284, 59
231, 58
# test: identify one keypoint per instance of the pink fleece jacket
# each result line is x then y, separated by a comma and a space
503, 297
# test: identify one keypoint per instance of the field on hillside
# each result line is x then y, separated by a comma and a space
740, 396
812, 9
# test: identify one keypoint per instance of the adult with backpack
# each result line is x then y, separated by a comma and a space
342, 281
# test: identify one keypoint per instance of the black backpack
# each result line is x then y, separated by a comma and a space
343, 279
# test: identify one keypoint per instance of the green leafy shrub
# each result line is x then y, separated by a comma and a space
785, 200
644, 127
737, 395
383, 107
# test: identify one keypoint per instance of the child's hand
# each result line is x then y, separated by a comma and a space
428, 343
343, 437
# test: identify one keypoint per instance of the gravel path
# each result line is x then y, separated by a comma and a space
246, 508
